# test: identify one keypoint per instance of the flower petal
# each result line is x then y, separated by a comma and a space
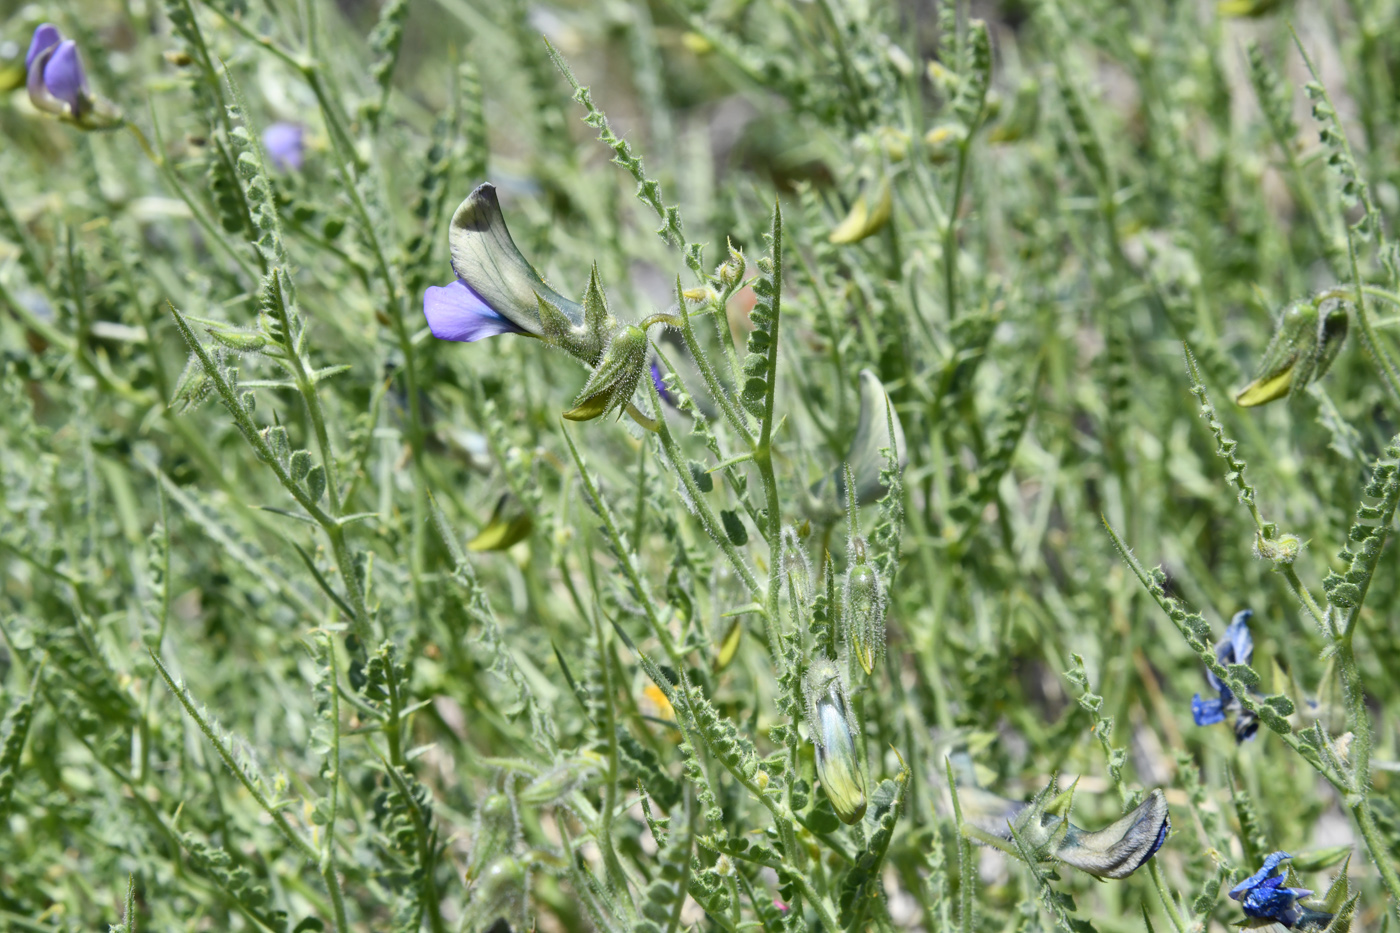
455, 312
46, 36
486, 259
64, 76
1237, 637
1261, 876
1118, 850
1207, 712
39, 95
283, 143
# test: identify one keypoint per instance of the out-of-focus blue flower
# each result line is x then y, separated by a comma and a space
1237, 647
285, 146
661, 390
1263, 897
58, 84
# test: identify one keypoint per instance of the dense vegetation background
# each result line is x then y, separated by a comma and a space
252, 678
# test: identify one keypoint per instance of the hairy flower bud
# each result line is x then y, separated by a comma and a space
863, 612
615, 377
1302, 349
835, 732
797, 571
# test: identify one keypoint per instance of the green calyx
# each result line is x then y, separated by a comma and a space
615, 378
1301, 351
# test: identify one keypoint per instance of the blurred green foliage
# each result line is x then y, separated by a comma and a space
309, 620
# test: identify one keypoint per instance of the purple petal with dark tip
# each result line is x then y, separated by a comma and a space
64, 76
45, 37
455, 312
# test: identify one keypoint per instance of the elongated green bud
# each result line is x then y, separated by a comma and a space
797, 570
840, 765
863, 611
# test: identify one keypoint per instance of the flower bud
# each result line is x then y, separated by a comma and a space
510, 524
840, 765
797, 571
58, 84
866, 217
731, 273
1302, 349
863, 612
615, 377
941, 143
1281, 550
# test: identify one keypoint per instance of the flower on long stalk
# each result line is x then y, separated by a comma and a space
835, 734
1263, 896
1237, 647
58, 84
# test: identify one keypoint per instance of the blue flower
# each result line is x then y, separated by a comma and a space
1263, 897
285, 145
1237, 647
658, 381
58, 84
496, 291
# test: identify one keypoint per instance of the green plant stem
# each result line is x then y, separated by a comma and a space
1168, 901
327, 859
616, 878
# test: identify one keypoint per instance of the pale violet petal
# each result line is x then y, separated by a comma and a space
455, 312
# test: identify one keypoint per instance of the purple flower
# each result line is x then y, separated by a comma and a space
496, 291
1237, 647
1263, 897
455, 312
660, 383
58, 84
284, 145
45, 37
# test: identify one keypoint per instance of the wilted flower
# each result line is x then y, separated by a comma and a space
1116, 851
58, 84
1237, 647
284, 143
1263, 897
864, 457
840, 765
1303, 347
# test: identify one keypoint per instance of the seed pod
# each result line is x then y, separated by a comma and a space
840, 765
